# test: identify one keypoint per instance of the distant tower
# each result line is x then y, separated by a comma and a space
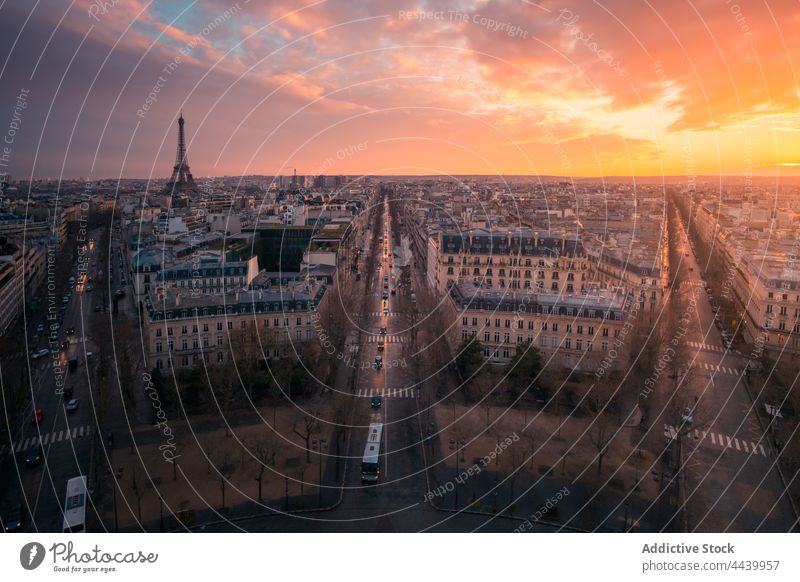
181, 180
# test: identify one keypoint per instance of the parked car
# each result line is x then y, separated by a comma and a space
376, 401
72, 405
14, 519
41, 352
38, 417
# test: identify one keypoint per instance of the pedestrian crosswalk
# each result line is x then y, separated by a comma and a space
67, 434
386, 392
389, 339
382, 314
719, 440
706, 347
719, 369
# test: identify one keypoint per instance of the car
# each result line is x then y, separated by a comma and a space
65, 345
97, 308
39, 353
68, 392
378, 362
37, 417
386, 311
89, 287
71, 331
381, 346
687, 417
385, 294
376, 401
14, 519
383, 331
72, 405
34, 455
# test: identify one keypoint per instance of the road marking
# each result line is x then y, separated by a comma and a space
761, 448
713, 441
44, 439
729, 441
735, 440
744, 444
74, 432
80, 432
60, 436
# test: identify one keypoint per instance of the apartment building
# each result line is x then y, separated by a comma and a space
575, 332
182, 330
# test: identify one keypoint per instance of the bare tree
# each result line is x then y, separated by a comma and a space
139, 489
224, 469
265, 452
597, 404
309, 427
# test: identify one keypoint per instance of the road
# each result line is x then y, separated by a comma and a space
65, 437
732, 481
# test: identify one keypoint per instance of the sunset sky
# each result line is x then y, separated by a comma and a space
566, 87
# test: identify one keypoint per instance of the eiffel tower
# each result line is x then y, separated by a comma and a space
181, 181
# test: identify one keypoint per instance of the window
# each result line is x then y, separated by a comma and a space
219, 326
194, 328
578, 345
184, 329
159, 347
486, 336
554, 341
219, 340
205, 327
543, 341
158, 332
604, 346
497, 337
568, 343
169, 331
230, 325
605, 332
555, 327
184, 344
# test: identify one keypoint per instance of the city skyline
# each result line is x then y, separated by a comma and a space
432, 88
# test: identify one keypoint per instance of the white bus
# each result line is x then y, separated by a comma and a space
370, 464
75, 505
